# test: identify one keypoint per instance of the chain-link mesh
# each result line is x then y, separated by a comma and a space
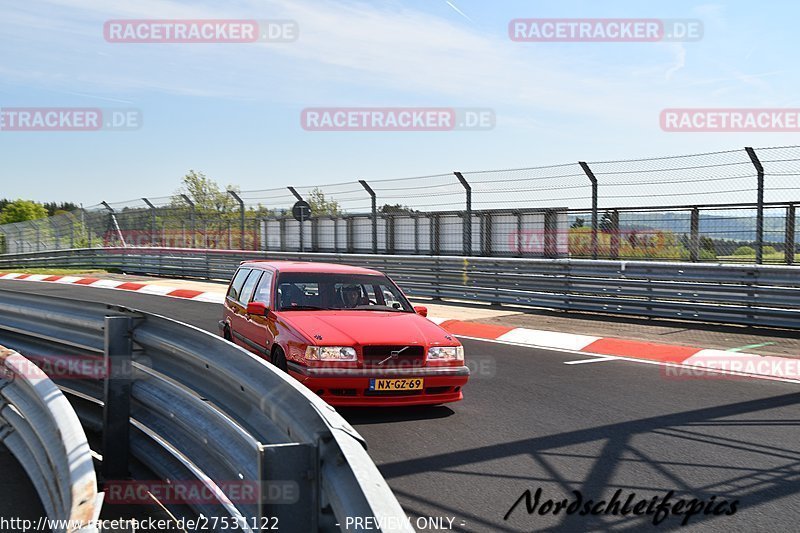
699, 207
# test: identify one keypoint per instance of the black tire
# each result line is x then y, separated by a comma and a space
279, 359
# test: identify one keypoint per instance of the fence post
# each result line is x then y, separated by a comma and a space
789, 240
614, 234
694, 238
374, 200
153, 224
302, 220
193, 226
759, 206
466, 223
55, 233
38, 236
118, 348
593, 179
241, 216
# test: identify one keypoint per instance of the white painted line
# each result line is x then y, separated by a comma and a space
437, 320
551, 339
211, 297
159, 290
592, 360
105, 284
68, 279
37, 277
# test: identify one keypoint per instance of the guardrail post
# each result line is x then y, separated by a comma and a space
374, 201
759, 204
302, 222
593, 179
290, 488
193, 222
694, 237
615, 234
118, 355
241, 216
466, 223
153, 223
789, 240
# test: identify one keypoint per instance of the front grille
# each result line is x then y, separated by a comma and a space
411, 357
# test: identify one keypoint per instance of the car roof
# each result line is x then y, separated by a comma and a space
306, 266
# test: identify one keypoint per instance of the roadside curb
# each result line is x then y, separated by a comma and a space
144, 288
695, 362
692, 362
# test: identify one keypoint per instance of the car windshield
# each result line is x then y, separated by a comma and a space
314, 291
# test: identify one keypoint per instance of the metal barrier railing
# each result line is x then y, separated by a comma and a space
204, 411
41, 429
755, 295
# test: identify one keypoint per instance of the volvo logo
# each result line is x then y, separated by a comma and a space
394, 354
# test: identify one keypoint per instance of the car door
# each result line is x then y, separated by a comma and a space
261, 330
234, 312
245, 332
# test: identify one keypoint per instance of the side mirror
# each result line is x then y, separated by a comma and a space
257, 308
421, 310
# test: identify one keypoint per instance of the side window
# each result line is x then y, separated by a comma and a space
264, 289
238, 281
249, 287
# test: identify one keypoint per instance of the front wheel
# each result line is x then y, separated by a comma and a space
279, 359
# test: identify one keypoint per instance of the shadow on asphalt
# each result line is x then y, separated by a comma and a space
735, 431
382, 415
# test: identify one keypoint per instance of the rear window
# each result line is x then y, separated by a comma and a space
237, 283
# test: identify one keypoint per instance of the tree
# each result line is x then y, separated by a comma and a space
579, 222
395, 209
206, 194
320, 206
22, 210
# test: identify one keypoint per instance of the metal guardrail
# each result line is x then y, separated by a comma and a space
40, 428
754, 295
205, 411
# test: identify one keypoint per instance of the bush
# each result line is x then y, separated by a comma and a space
746, 250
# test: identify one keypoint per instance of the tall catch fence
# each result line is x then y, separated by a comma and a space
730, 206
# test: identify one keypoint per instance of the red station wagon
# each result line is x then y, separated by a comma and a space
347, 333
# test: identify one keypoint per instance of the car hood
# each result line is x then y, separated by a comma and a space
348, 328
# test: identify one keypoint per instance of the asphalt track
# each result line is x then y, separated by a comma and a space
529, 421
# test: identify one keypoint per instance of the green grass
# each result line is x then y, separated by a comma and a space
57, 271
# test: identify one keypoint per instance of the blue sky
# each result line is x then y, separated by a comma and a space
232, 110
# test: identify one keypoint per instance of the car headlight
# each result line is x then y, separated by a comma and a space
331, 353
446, 353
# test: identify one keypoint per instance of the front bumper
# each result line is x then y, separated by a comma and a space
350, 387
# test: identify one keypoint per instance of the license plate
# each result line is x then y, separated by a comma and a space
395, 384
